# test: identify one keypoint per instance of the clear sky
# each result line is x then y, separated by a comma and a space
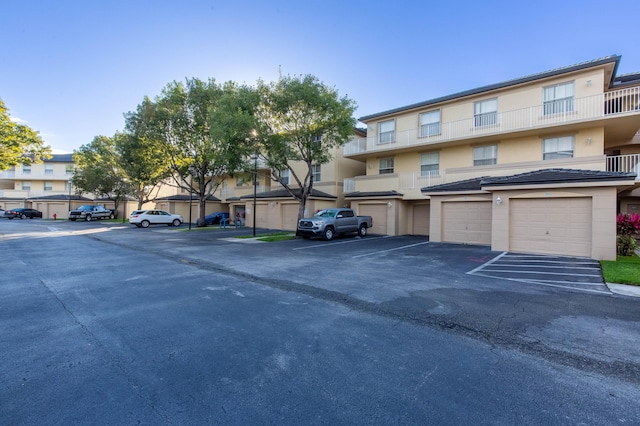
70, 68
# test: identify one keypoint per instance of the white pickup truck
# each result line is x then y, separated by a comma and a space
331, 222
90, 212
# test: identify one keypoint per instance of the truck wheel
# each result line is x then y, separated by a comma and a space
362, 231
176, 222
145, 224
327, 235
88, 218
72, 220
24, 216
112, 216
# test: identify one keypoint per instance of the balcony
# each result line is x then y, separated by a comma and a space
619, 102
409, 184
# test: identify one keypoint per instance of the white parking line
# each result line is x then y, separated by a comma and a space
327, 244
388, 250
498, 257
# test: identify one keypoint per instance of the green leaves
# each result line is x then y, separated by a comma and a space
19, 144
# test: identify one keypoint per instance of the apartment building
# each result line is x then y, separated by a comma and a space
537, 164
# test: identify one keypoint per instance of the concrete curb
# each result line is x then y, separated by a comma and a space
627, 290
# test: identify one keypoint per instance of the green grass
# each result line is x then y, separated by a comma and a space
270, 238
624, 270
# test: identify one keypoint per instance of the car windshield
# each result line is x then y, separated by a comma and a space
326, 213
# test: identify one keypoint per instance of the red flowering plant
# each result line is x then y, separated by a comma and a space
627, 227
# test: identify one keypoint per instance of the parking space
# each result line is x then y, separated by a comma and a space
581, 274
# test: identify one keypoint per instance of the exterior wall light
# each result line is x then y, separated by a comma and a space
498, 201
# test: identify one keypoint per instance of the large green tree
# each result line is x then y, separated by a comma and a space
302, 121
19, 144
142, 153
204, 127
99, 170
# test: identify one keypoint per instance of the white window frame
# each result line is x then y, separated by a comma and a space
562, 147
558, 98
430, 164
285, 176
68, 186
430, 123
68, 169
485, 112
316, 172
48, 186
386, 166
48, 169
26, 170
485, 155
386, 132
26, 185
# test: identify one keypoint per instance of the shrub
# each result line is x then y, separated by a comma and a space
627, 227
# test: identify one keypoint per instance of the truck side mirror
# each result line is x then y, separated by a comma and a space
339, 216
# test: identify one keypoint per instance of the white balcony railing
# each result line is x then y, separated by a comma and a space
538, 116
420, 180
624, 163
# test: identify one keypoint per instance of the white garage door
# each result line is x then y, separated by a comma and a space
379, 214
551, 226
420, 219
466, 222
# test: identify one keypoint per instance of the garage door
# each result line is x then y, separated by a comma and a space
551, 226
290, 216
466, 222
379, 214
420, 219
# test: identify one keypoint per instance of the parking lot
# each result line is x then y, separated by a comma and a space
162, 326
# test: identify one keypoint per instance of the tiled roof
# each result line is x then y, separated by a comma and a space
60, 158
461, 185
483, 89
551, 176
282, 193
358, 194
64, 197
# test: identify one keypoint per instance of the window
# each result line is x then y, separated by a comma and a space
285, 176
48, 169
26, 186
557, 148
430, 164
67, 186
483, 155
48, 186
239, 181
315, 170
387, 132
68, 169
26, 170
485, 113
558, 98
430, 124
385, 165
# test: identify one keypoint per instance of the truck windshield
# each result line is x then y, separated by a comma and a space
326, 213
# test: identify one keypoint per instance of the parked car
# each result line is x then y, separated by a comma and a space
22, 213
155, 217
214, 218
1, 212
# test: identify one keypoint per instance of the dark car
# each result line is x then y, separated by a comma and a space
214, 218
22, 213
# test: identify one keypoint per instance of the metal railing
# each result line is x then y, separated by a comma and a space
537, 116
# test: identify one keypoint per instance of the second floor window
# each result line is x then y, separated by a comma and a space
385, 165
430, 164
558, 98
26, 186
485, 113
26, 170
557, 148
387, 132
48, 186
48, 169
430, 124
68, 169
315, 170
285, 176
485, 155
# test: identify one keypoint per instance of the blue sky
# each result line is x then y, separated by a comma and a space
70, 69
